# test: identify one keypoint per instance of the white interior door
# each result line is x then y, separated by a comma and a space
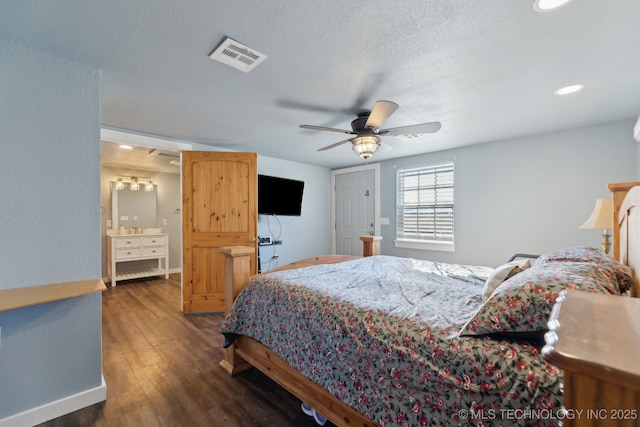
356, 208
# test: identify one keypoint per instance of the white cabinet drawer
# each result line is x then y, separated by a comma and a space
124, 252
128, 253
153, 250
153, 241
127, 242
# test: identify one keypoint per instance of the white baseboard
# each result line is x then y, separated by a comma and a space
58, 408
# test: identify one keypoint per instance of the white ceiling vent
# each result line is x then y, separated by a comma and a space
237, 55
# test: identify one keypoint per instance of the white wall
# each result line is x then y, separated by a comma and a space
523, 195
49, 231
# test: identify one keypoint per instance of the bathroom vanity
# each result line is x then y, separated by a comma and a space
124, 250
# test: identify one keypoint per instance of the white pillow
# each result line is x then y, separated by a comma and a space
502, 273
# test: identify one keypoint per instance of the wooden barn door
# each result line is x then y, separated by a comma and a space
219, 208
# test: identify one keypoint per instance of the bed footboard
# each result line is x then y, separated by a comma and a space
246, 353
236, 275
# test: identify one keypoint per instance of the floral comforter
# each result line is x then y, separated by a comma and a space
381, 334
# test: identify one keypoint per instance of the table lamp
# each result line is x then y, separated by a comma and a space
602, 218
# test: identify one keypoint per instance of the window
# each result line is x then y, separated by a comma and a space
424, 200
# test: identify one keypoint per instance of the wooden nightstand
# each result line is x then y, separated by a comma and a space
595, 339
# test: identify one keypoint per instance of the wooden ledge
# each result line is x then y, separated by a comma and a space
11, 299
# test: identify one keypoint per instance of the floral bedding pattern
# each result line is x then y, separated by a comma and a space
381, 334
524, 302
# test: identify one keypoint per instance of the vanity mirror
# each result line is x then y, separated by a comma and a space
134, 208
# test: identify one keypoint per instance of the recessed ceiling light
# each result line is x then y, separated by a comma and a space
126, 147
547, 5
567, 90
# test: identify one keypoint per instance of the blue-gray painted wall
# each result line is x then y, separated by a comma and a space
526, 194
522, 195
49, 225
309, 234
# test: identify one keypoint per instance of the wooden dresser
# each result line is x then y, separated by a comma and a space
595, 339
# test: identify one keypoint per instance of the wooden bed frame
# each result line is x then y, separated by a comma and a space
626, 228
246, 353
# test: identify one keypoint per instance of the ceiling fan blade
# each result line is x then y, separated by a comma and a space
303, 106
329, 147
384, 147
326, 128
380, 113
413, 129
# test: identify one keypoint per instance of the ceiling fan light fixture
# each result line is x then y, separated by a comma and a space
365, 145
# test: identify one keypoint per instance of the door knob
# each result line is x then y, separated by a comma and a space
252, 239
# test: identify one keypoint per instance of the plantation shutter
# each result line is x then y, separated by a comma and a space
425, 203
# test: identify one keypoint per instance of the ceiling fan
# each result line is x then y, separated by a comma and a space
367, 128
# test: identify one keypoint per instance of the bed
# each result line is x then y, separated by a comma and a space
433, 344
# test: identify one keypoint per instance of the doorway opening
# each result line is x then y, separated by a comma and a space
152, 158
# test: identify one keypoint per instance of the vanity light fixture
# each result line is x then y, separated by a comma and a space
134, 185
119, 184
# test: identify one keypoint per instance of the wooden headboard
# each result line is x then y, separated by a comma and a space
626, 227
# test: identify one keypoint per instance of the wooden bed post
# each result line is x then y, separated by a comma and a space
619, 190
370, 245
236, 276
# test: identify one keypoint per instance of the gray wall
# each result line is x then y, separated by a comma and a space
523, 195
309, 234
49, 232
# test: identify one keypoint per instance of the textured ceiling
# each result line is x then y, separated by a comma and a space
139, 158
485, 69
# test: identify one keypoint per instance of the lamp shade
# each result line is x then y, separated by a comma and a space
365, 145
602, 215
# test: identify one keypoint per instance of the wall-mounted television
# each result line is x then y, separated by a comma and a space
279, 196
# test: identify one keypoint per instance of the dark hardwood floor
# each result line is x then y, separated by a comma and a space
161, 369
